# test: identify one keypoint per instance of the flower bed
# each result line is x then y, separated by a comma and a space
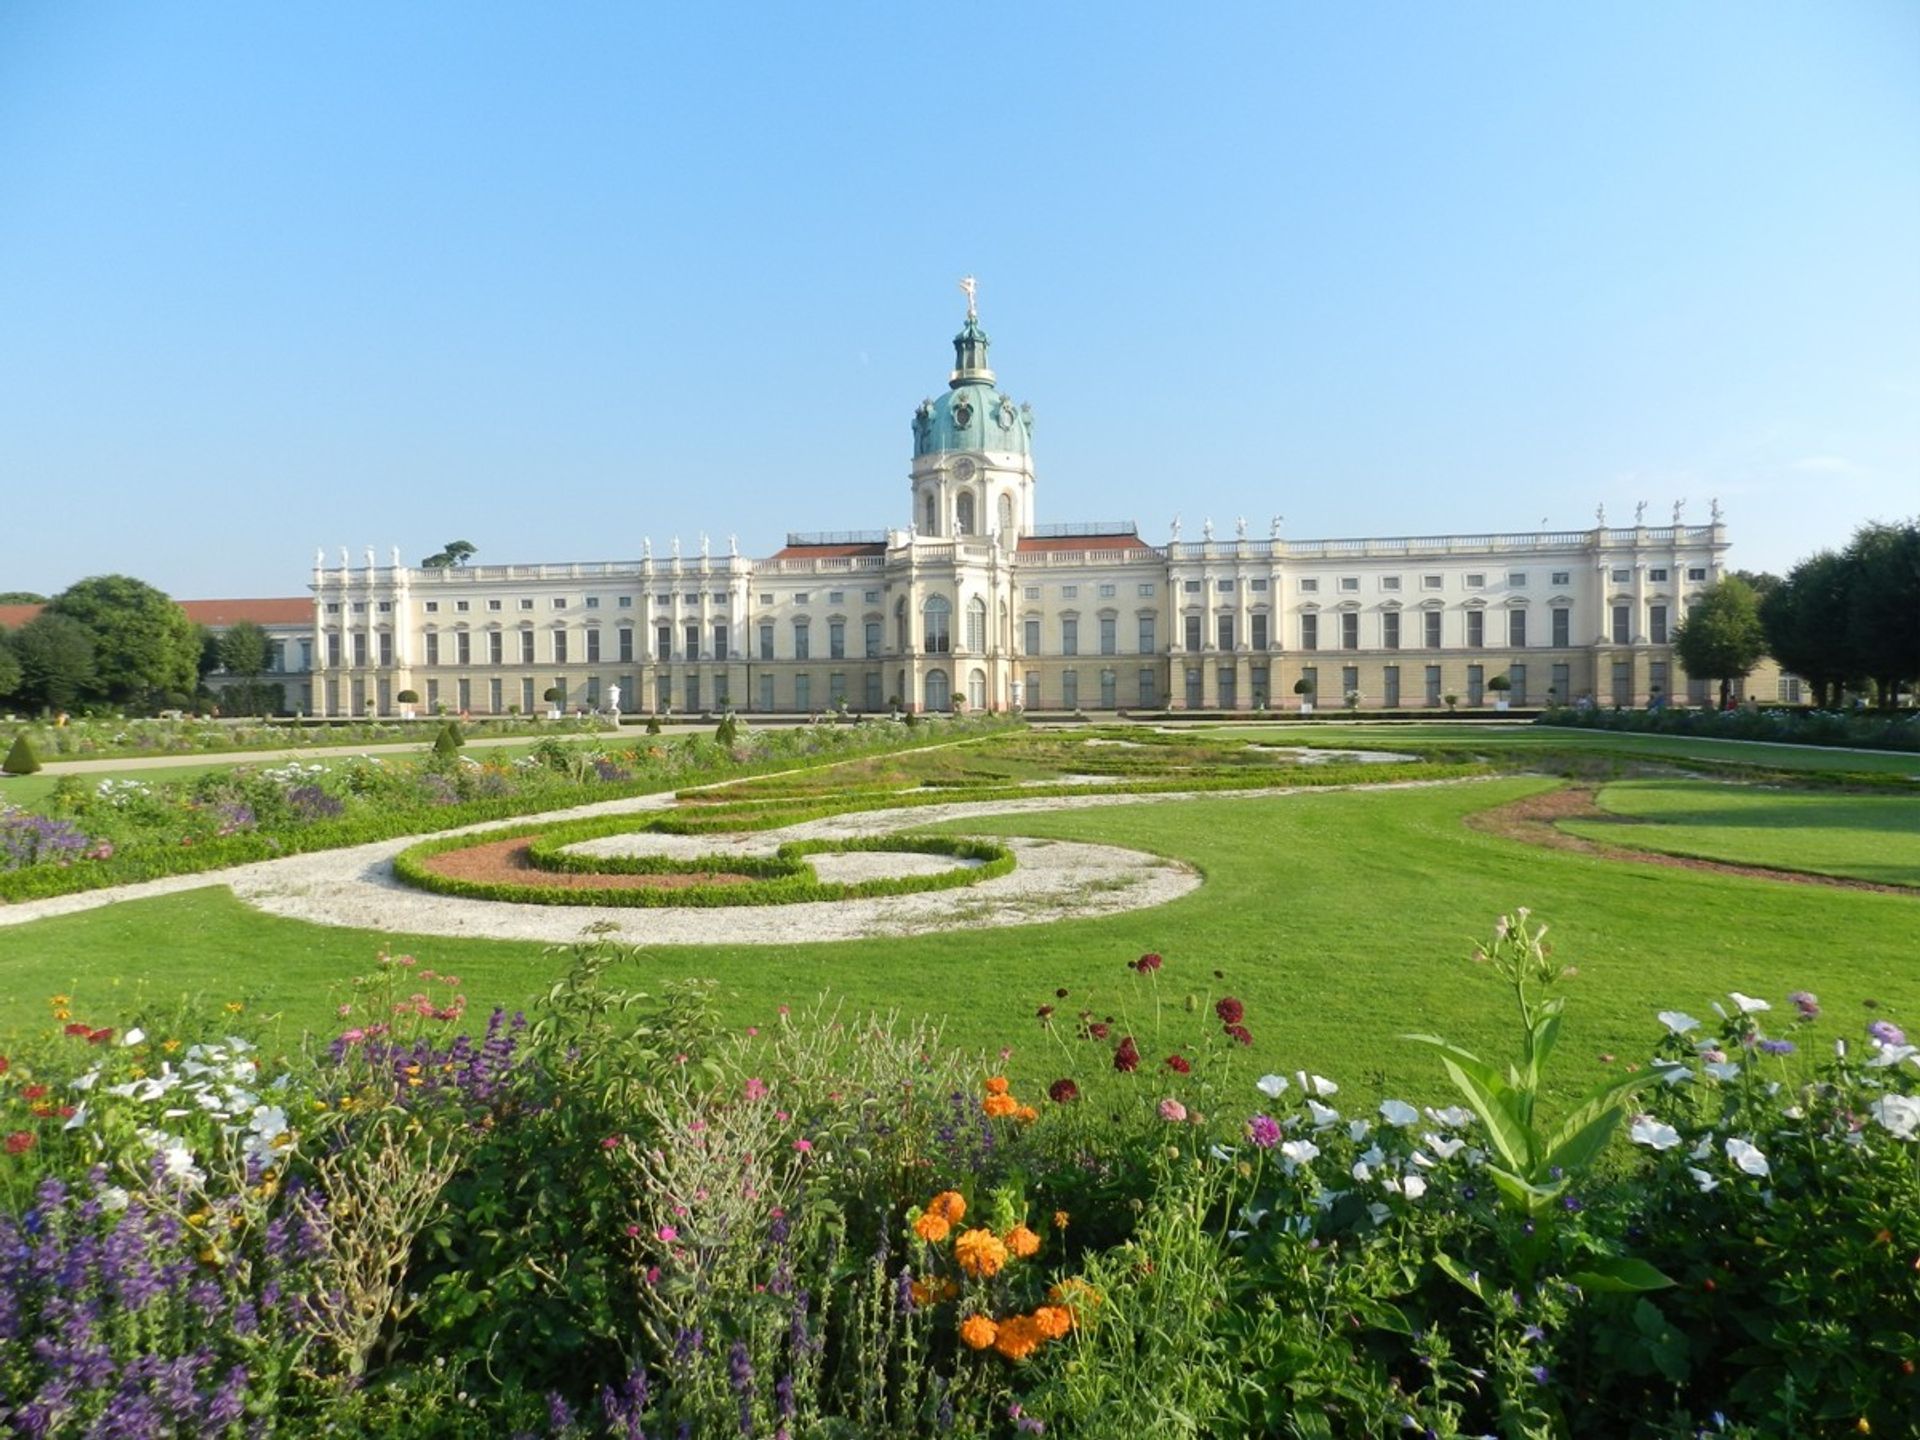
1865, 730
609, 1217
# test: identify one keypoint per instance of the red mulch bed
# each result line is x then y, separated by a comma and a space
508, 861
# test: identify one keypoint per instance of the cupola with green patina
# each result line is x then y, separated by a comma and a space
972, 415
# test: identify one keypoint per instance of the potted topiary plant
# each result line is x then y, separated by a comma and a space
1353, 701
1500, 685
1303, 687
553, 695
408, 699
1453, 701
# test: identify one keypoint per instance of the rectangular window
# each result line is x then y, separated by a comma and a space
496, 650
1433, 687
1350, 630
836, 690
1146, 589
360, 647
1557, 694
837, 641
1069, 637
873, 642
1309, 632
593, 646
663, 643
1109, 637
1226, 683
1311, 675
1657, 679
386, 648
626, 602
526, 694
1030, 697
722, 639
802, 598
1107, 592
460, 606
1623, 683
1149, 690
1621, 577
496, 695
802, 643
1145, 640
693, 691
1390, 687
1069, 592
1476, 629
692, 636
1070, 689
1431, 582
559, 647
1259, 586
1262, 692
1389, 582
1563, 577
1390, 630
1517, 629
1193, 631
1430, 629
1622, 624
1030, 632
1030, 592
491, 605
1350, 582
1517, 680
870, 597
1258, 624
1223, 632
433, 693
462, 648
1517, 580
1224, 587
1657, 624
1562, 626
836, 597
526, 603
1109, 690
722, 692
1476, 684
1309, 585
593, 603
873, 690
803, 691
766, 692
526, 647
1697, 572
1657, 575
1190, 587
1476, 581
1349, 681
433, 647
626, 645
433, 607
560, 603
766, 646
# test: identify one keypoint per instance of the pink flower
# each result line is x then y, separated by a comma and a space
354, 1037
803, 1145
653, 1274
756, 1088
1172, 1111
1263, 1131
667, 1234
784, 1010
752, 1030
612, 1142
345, 1010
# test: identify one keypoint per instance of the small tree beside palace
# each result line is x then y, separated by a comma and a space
244, 651
1722, 638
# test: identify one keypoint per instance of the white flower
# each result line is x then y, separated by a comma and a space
1323, 1115
1701, 1178
1373, 1155
1378, 1213
86, 1081
1358, 1130
1899, 1113
133, 1036
1672, 1072
1889, 1055
1398, 1112
1455, 1116
78, 1118
1645, 1130
1702, 1150
1221, 1152
1316, 1084
1445, 1149
112, 1197
1678, 1022
1747, 1156
1271, 1085
1722, 1069
1362, 1171
1747, 1003
1299, 1151
1422, 1159
1413, 1187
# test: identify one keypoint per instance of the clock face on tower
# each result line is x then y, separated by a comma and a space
963, 470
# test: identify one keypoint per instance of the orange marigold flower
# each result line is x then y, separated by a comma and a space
1019, 1336
1076, 1294
996, 1085
950, 1203
999, 1105
921, 1293
978, 1331
1059, 1219
1023, 1242
980, 1253
932, 1227
1026, 1114
1053, 1321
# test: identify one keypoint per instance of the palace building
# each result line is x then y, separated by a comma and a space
974, 601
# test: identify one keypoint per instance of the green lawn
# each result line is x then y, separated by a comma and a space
1341, 918
1867, 837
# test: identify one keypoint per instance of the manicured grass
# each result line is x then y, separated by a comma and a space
1342, 919
1867, 837
1494, 737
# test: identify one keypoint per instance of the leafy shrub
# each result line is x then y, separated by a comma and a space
20, 758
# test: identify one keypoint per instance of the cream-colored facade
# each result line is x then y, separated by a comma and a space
976, 602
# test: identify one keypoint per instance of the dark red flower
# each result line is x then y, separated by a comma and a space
66, 1112
76, 1028
42, 1110
1061, 993
1099, 1030
100, 1037
1126, 1056
1063, 1092
1045, 1012
1230, 1010
5, 1064
1179, 1064
19, 1142
1240, 1034
1145, 964
33, 1092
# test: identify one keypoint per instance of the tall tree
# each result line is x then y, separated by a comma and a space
1884, 610
9, 667
1806, 620
243, 651
56, 659
21, 597
1722, 637
453, 554
142, 641
1762, 582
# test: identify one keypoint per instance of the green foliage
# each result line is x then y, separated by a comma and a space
143, 642
452, 555
1883, 629
21, 597
448, 742
1806, 620
653, 725
1722, 637
57, 662
10, 671
408, 697
20, 758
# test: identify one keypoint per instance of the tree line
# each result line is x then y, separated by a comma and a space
118, 641
1846, 620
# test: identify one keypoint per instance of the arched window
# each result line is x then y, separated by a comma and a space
937, 616
977, 625
932, 522
1006, 514
977, 690
963, 514
939, 691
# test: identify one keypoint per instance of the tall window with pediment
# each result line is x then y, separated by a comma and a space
976, 625
936, 617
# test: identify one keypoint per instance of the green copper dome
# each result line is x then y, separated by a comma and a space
972, 415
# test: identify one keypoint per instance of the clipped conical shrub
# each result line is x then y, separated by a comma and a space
20, 759
448, 741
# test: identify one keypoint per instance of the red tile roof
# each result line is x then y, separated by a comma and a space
1037, 544
828, 552
12, 617
294, 610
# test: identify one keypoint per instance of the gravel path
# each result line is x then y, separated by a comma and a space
1052, 880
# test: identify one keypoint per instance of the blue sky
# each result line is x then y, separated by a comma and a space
554, 278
